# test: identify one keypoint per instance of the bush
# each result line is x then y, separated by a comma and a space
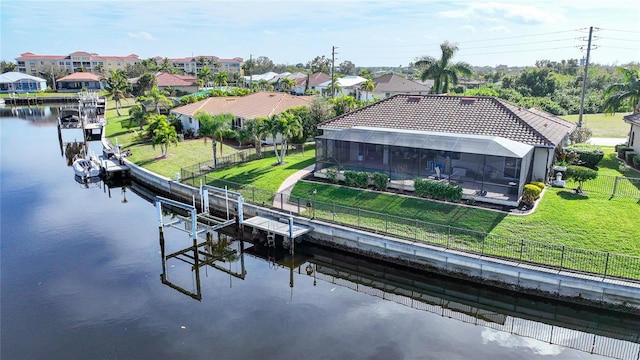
580, 135
380, 181
636, 162
628, 157
622, 150
617, 147
581, 174
437, 190
332, 175
533, 190
588, 155
528, 200
358, 179
539, 184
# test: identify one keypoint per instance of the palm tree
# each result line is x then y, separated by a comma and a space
117, 86
157, 97
213, 127
164, 134
366, 87
287, 84
137, 116
254, 131
166, 66
290, 127
220, 79
626, 93
205, 75
443, 72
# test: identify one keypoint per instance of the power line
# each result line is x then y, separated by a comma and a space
618, 30
518, 44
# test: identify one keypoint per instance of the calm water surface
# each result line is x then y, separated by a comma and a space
81, 269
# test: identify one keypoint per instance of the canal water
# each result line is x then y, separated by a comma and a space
81, 278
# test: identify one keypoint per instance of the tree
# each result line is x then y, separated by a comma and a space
6, 66
156, 97
343, 104
319, 64
538, 82
443, 72
137, 116
205, 75
625, 93
166, 66
163, 134
262, 65
220, 79
290, 127
213, 127
347, 67
254, 130
146, 82
53, 72
366, 87
287, 84
117, 86
581, 174
150, 64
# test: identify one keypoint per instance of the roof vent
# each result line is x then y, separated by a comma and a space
468, 100
414, 98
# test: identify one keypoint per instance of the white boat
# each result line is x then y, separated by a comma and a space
70, 118
88, 167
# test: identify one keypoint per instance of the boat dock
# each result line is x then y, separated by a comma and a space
284, 227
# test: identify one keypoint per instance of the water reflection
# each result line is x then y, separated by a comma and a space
503, 315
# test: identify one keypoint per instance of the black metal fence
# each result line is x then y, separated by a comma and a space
615, 186
521, 250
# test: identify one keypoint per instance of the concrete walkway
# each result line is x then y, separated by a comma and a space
606, 141
285, 190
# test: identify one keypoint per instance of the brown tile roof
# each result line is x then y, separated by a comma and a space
318, 78
80, 76
166, 79
395, 83
458, 115
260, 104
633, 118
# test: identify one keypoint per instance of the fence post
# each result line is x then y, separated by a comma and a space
562, 258
298, 204
606, 265
416, 234
386, 223
253, 194
448, 235
521, 248
281, 201
483, 239
358, 217
615, 185
334, 212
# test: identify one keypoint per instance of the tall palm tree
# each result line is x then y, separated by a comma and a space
287, 84
443, 72
366, 87
164, 134
625, 93
255, 130
205, 75
290, 127
220, 79
117, 86
156, 97
166, 66
213, 127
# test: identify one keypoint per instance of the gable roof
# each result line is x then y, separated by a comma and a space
318, 78
14, 76
346, 82
166, 79
395, 83
633, 118
259, 104
80, 76
480, 115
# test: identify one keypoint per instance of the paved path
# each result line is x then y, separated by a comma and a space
285, 189
606, 141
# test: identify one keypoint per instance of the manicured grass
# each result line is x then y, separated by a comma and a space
603, 125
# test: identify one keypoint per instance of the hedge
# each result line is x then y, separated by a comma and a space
532, 189
356, 179
588, 155
437, 190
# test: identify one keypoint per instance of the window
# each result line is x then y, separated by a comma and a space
511, 168
633, 138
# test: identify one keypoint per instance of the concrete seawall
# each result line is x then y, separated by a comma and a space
511, 275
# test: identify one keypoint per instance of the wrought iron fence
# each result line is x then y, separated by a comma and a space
521, 250
615, 186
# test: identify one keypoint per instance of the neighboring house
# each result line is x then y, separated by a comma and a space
80, 81
259, 104
184, 83
16, 82
634, 131
310, 83
490, 147
390, 84
347, 85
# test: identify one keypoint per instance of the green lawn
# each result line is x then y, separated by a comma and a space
603, 125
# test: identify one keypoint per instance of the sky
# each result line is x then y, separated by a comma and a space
367, 33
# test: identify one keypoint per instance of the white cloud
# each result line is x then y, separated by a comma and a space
504, 11
514, 341
500, 29
140, 35
468, 28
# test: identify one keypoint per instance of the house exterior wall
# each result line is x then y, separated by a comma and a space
188, 89
22, 86
634, 138
73, 86
542, 161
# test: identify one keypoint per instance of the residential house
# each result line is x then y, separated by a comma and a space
390, 84
634, 131
259, 104
80, 81
347, 85
176, 82
488, 146
16, 82
309, 83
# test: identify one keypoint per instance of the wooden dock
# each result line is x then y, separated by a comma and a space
278, 226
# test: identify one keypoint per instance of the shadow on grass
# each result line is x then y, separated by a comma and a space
570, 195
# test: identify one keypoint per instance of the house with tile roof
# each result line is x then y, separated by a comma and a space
347, 85
80, 81
390, 84
634, 132
488, 146
16, 82
177, 82
255, 105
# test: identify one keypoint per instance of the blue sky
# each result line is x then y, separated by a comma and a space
367, 33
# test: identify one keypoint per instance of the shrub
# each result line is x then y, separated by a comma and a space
622, 150
358, 179
636, 161
527, 200
332, 175
628, 157
581, 174
380, 180
580, 135
539, 184
588, 155
437, 190
617, 147
533, 190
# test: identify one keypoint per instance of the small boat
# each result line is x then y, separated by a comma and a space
88, 167
70, 118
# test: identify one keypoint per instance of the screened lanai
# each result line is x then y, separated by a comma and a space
484, 166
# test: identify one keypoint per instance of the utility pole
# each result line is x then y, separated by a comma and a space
584, 79
333, 64
251, 72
